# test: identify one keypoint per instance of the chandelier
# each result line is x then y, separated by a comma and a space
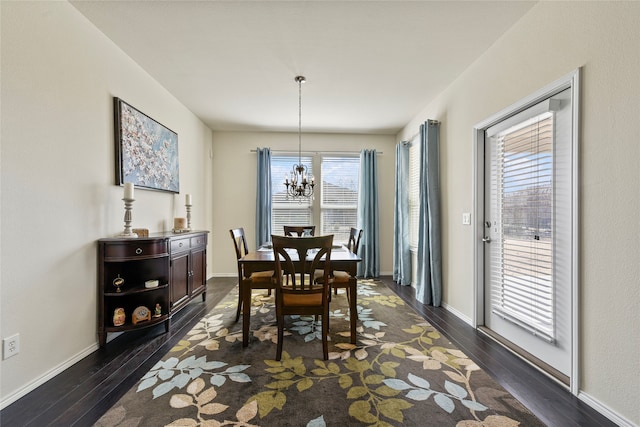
299, 184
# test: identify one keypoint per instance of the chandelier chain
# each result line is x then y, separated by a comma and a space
300, 80
300, 185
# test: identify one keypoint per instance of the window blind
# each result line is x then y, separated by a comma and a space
522, 287
414, 193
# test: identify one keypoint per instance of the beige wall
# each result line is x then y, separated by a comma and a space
552, 40
235, 205
58, 196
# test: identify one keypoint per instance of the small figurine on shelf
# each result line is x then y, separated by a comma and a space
158, 311
119, 317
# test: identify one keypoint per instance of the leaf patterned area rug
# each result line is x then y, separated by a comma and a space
400, 372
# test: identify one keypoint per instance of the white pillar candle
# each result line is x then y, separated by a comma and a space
128, 190
187, 199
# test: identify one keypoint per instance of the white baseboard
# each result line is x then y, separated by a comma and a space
457, 313
24, 390
605, 410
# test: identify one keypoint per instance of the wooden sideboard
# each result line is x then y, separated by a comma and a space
177, 261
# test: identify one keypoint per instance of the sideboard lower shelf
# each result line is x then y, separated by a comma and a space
145, 324
176, 261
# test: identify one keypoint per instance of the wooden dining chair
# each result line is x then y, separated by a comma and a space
344, 279
256, 280
299, 230
341, 278
302, 294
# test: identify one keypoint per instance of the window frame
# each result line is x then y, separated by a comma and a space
316, 205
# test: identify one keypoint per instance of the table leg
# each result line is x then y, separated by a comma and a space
246, 313
353, 307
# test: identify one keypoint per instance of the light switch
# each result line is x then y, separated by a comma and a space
466, 218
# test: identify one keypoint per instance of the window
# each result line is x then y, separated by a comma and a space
287, 210
522, 289
414, 194
335, 200
339, 196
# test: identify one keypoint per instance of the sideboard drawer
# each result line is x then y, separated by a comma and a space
133, 249
179, 245
199, 241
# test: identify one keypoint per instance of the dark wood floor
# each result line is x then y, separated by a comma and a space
85, 391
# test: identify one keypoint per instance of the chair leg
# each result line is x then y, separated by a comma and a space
325, 333
239, 309
353, 309
246, 313
280, 337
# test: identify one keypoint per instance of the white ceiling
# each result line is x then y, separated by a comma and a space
370, 66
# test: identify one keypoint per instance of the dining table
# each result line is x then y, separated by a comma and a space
263, 260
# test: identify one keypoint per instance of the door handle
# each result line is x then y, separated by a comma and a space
486, 239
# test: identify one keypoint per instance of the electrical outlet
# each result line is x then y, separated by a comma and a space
10, 346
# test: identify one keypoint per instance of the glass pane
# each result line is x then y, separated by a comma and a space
339, 196
340, 180
282, 166
523, 287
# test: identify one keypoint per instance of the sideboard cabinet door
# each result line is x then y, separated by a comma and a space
188, 268
199, 270
179, 280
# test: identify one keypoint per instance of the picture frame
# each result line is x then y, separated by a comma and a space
146, 150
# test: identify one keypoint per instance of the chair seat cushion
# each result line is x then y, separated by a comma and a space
302, 300
318, 276
262, 276
341, 277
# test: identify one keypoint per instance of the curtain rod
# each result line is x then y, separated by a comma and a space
415, 135
316, 152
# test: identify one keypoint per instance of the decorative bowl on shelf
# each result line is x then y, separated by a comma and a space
151, 284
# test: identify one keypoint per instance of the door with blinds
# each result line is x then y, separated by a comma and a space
527, 232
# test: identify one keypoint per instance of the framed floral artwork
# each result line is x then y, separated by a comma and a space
146, 151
